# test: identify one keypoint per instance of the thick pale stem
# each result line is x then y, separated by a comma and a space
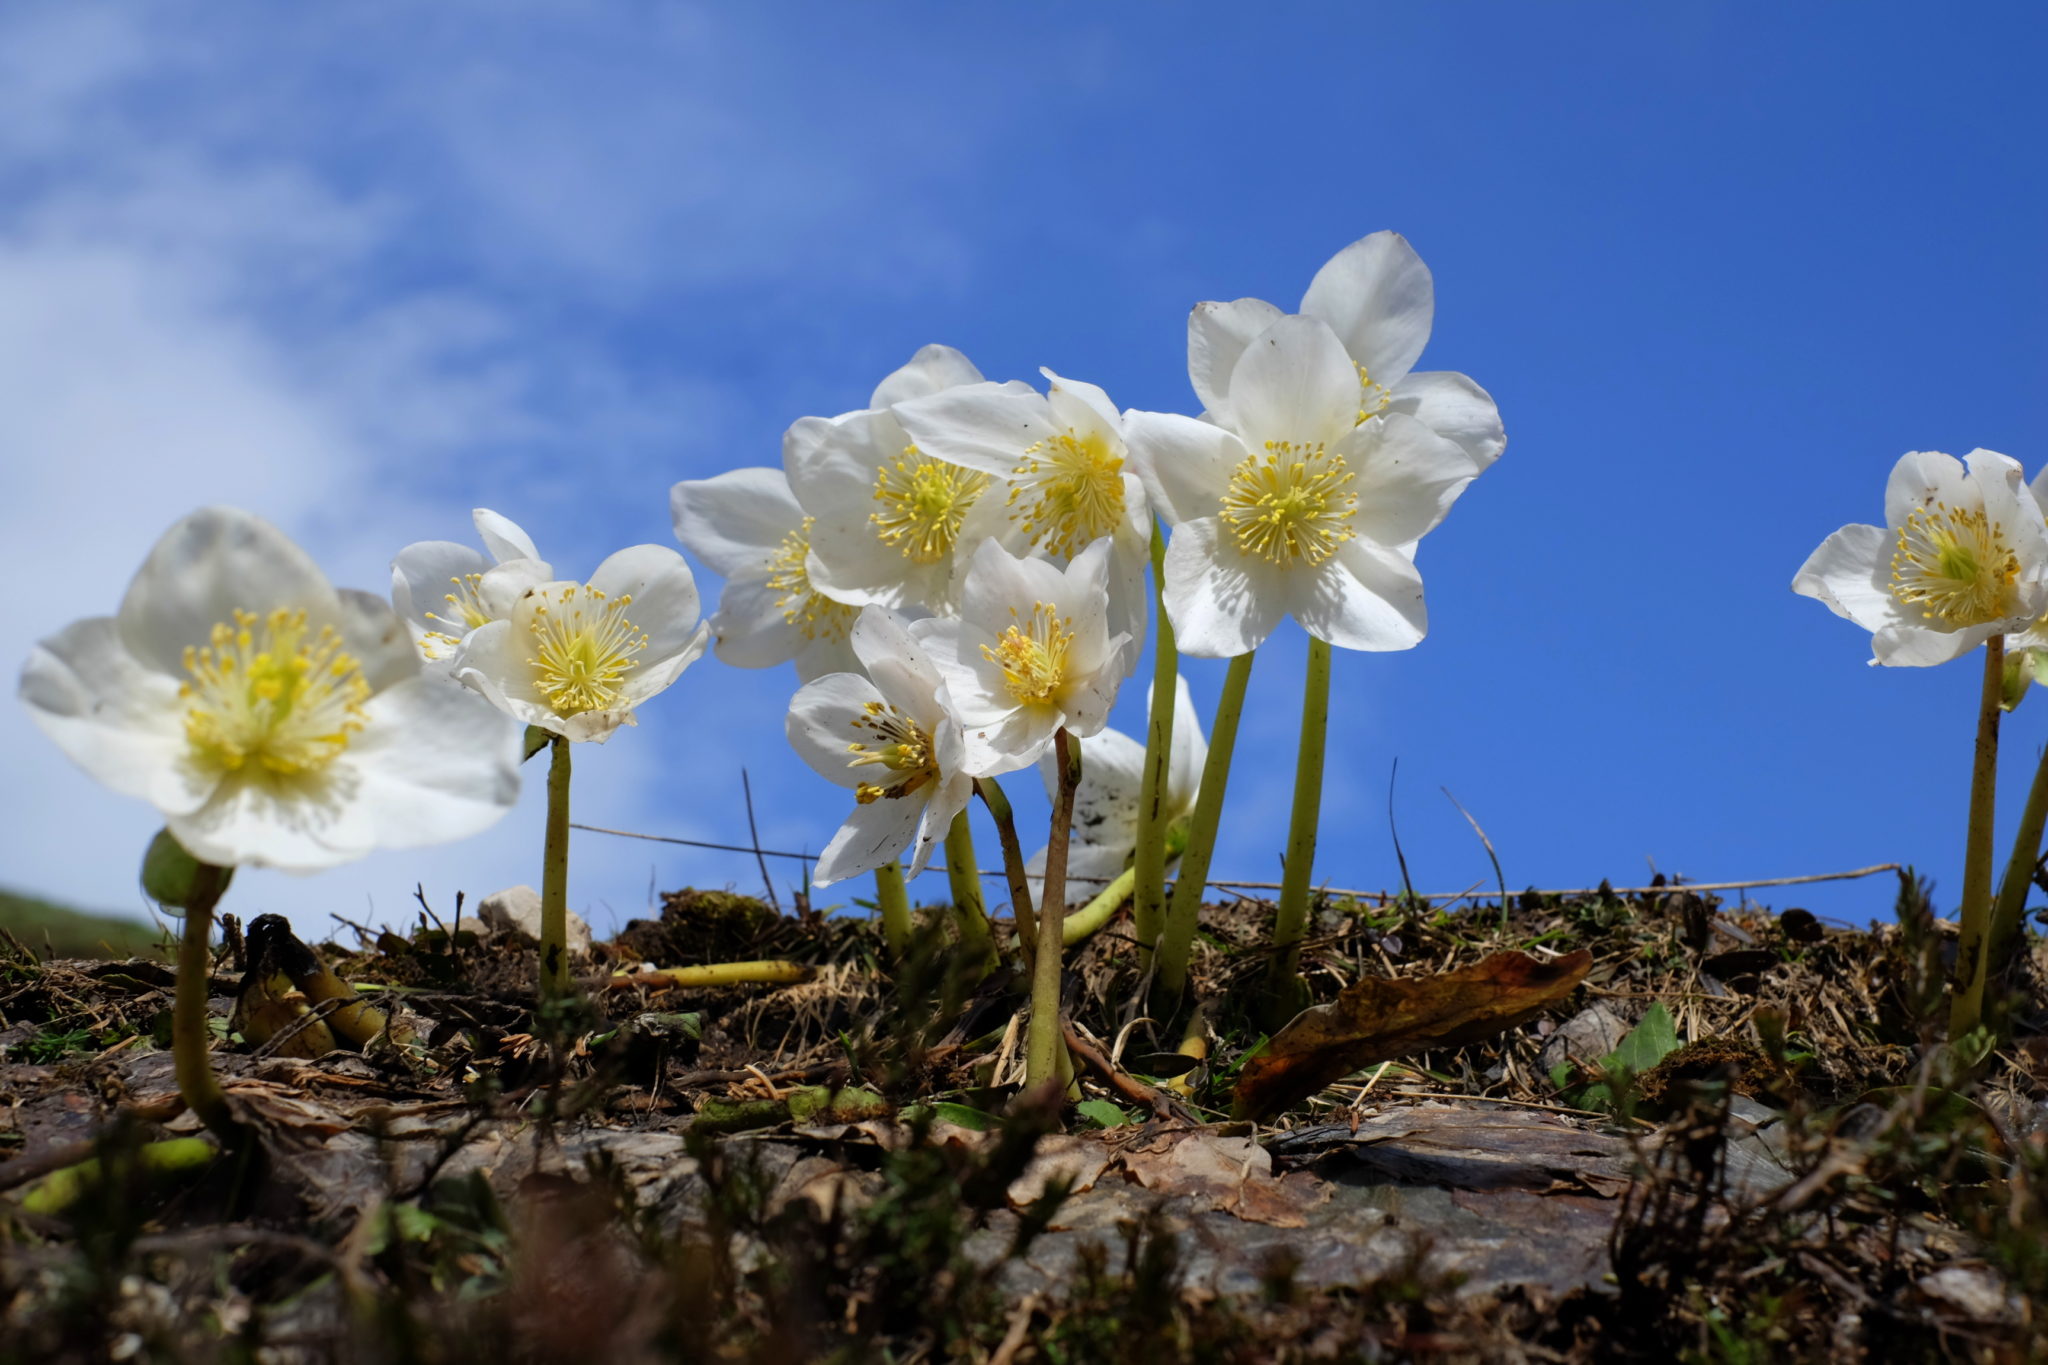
1966, 1009
892, 898
1177, 939
1091, 917
773, 972
1291, 919
1043, 1044
1013, 864
554, 878
964, 877
191, 1039
1148, 891
2019, 871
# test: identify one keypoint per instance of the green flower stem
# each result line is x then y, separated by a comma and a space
1043, 1044
2019, 870
1098, 912
964, 877
991, 794
1966, 1009
892, 898
1148, 891
1291, 918
1177, 939
191, 1039
554, 878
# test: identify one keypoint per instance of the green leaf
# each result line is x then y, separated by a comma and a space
1102, 1113
1647, 1044
536, 740
965, 1116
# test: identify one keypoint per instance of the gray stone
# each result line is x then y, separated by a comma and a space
518, 907
1586, 1037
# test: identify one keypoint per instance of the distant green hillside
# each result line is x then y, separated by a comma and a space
58, 930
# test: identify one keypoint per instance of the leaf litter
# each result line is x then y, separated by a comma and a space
1459, 1158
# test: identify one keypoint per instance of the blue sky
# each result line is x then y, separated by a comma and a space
364, 267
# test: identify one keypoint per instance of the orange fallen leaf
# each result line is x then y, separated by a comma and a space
1377, 1019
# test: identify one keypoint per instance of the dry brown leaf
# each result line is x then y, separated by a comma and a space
1377, 1019
1229, 1174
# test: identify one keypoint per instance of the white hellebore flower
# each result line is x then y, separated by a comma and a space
1295, 500
892, 737
1063, 477
746, 525
1105, 833
437, 585
273, 720
1962, 556
1378, 297
885, 517
574, 658
1031, 651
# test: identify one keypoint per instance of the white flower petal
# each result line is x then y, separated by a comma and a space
1451, 405
383, 648
818, 657
1083, 406
735, 522
121, 722
1222, 603
1186, 464
1378, 297
820, 723
506, 585
436, 762
665, 604
1921, 477
1296, 384
1217, 336
1189, 755
931, 370
206, 567
900, 669
657, 674
304, 823
874, 833
502, 536
421, 576
1908, 645
982, 426
750, 629
1407, 478
1365, 597
1851, 575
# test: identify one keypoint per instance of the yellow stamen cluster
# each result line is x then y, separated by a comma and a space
1072, 492
898, 744
465, 613
1954, 564
583, 648
923, 501
1291, 504
270, 691
1033, 655
801, 604
1373, 396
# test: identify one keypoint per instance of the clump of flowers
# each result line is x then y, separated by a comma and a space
273, 720
1961, 563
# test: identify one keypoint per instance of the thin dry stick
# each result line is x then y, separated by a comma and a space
754, 833
1851, 875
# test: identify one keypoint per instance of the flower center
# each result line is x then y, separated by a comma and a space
270, 691
465, 613
923, 501
1954, 564
801, 604
898, 745
1072, 492
584, 647
1033, 655
1373, 396
1291, 504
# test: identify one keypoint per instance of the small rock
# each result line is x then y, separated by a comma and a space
518, 907
1587, 1036
1977, 1294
